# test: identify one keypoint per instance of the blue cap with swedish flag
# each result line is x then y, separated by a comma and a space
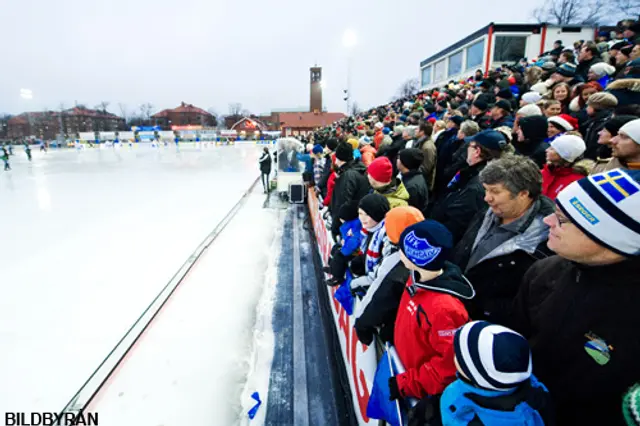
606, 207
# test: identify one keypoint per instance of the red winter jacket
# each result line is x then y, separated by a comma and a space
377, 139
555, 179
424, 330
331, 183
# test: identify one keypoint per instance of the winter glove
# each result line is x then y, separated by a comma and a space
425, 412
365, 335
394, 392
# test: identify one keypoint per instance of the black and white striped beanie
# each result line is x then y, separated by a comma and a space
493, 357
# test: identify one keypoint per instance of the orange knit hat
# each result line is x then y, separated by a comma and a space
399, 219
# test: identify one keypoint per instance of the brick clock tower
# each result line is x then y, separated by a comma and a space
315, 102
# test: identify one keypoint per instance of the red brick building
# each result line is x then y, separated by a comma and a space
46, 124
304, 123
184, 115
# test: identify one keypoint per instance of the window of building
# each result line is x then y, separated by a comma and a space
509, 48
426, 75
439, 70
475, 54
455, 64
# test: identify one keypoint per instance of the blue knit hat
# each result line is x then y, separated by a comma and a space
566, 70
606, 207
426, 244
317, 149
386, 130
492, 356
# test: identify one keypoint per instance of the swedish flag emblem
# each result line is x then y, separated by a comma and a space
616, 184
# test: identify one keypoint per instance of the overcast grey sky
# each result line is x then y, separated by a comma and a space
213, 52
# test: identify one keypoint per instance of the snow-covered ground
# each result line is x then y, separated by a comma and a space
89, 238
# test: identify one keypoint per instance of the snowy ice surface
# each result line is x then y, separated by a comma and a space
89, 238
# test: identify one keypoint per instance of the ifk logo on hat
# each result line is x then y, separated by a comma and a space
419, 251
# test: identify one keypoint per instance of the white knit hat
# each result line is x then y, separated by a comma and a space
569, 147
606, 208
379, 125
531, 97
632, 129
561, 122
601, 69
529, 110
541, 88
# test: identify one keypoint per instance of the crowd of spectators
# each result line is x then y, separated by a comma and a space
491, 229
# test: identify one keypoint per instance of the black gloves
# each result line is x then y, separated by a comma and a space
394, 392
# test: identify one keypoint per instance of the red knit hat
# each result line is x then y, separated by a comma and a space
381, 170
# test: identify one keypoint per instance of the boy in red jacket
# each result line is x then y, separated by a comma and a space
430, 312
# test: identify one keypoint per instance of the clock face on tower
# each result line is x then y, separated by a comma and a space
315, 76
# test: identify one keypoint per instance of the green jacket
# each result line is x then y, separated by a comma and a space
395, 193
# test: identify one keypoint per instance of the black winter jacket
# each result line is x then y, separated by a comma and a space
416, 185
460, 203
497, 276
582, 323
351, 184
326, 172
582, 69
379, 307
591, 134
534, 149
265, 163
446, 152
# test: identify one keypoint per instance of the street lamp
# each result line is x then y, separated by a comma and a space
349, 41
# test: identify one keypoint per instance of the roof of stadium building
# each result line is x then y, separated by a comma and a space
505, 28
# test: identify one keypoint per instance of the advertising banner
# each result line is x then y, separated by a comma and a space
359, 360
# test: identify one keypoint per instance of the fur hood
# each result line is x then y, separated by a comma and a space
632, 84
584, 167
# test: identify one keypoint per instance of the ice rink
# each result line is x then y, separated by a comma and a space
89, 239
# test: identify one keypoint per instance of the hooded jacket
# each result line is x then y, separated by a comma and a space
582, 325
497, 275
368, 154
416, 185
379, 306
555, 178
351, 185
626, 90
428, 316
534, 129
395, 193
527, 405
461, 201
592, 128
265, 163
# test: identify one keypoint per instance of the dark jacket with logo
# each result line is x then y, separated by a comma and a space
496, 277
461, 202
582, 324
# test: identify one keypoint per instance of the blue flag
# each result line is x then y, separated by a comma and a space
343, 294
252, 412
379, 406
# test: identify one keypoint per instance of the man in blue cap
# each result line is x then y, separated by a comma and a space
464, 195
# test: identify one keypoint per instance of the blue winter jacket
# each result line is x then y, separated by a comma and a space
457, 409
351, 236
307, 160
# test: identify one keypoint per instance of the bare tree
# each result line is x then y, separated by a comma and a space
630, 8
235, 108
408, 88
355, 109
563, 12
124, 113
102, 106
145, 111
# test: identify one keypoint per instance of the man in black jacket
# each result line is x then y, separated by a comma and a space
532, 131
503, 242
579, 309
464, 195
351, 183
332, 144
409, 163
589, 55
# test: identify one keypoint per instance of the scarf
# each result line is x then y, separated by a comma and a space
371, 246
